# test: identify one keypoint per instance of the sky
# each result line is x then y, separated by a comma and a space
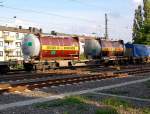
82, 17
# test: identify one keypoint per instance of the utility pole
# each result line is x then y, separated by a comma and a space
106, 26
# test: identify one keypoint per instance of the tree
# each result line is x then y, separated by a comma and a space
53, 32
146, 30
138, 25
141, 26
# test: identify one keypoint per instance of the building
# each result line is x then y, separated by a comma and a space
10, 42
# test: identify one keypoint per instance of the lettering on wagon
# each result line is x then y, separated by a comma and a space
47, 47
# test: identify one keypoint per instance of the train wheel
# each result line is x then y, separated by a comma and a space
4, 69
28, 67
70, 64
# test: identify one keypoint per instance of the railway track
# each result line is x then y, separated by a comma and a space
50, 73
31, 85
97, 67
28, 76
51, 82
61, 73
135, 71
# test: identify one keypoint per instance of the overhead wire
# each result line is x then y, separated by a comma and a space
84, 3
33, 22
47, 13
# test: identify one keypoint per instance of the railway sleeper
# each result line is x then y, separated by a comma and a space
56, 82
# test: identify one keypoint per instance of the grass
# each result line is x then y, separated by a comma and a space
80, 104
63, 102
116, 102
146, 110
147, 83
90, 96
65, 113
106, 111
17, 66
118, 92
122, 105
145, 97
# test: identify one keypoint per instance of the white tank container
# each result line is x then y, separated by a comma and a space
30, 46
92, 48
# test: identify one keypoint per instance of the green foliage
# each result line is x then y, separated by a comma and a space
82, 57
137, 26
106, 111
146, 110
116, 102
66, 113
19, 66
53, 32
141, 26
63, 102
118, 92
147, 83
80, 104
72, 100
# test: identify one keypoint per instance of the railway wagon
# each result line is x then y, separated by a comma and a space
53, 51
137, 53
104, 50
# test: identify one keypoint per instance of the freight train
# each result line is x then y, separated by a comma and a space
41, 52
56, 51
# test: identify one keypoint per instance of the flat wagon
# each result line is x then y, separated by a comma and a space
137, 53
104, 50
54, 51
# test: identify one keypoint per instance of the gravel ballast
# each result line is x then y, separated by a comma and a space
44, 92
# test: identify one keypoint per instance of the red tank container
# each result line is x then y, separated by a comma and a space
59, 48
112, 48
